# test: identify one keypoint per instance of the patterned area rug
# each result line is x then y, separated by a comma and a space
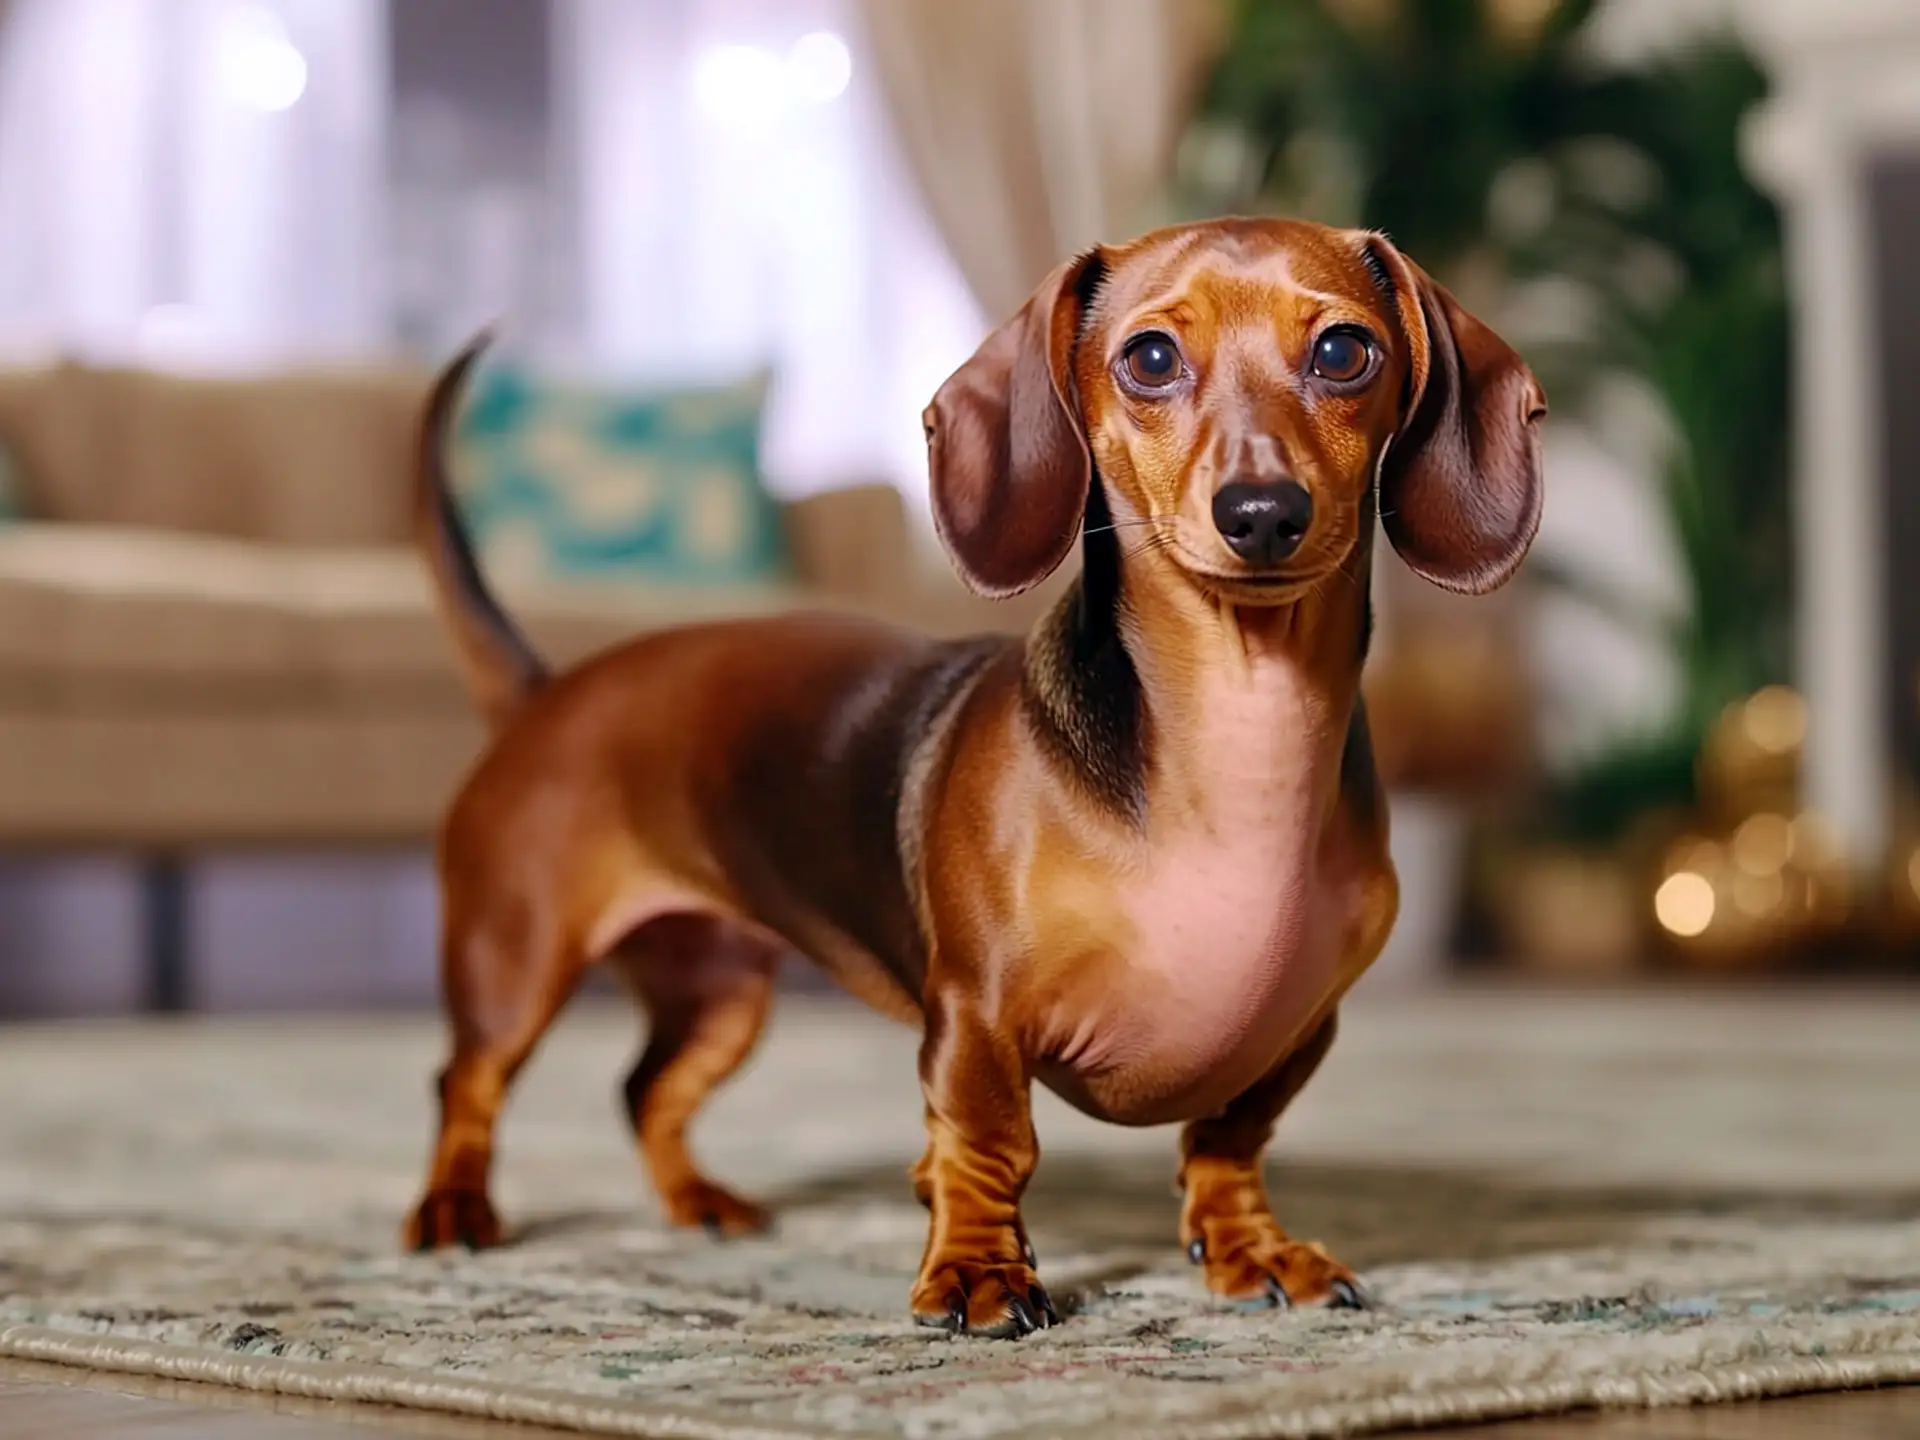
1559, 1202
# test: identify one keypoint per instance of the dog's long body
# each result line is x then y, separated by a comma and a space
1137, 856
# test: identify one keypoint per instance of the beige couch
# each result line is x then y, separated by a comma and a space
213, 630
214, 633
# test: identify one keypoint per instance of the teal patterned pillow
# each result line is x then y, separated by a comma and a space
567, 484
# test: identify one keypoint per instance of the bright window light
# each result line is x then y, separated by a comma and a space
751, 82
819, 67
259, 67
739, 81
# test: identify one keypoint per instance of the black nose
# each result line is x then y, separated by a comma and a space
1262, 521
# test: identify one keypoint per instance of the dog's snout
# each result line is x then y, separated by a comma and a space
1262, 521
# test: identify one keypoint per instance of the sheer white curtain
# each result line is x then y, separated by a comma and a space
192, 182
740, 202
1040, 127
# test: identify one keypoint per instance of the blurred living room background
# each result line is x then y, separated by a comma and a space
733, 246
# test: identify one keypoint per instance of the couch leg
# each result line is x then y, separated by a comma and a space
163, 901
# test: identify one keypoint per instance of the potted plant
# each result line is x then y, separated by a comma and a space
1489, 142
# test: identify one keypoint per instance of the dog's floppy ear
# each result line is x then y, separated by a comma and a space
1006, 453
1460, 484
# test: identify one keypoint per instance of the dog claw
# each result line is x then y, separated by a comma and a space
1043, 1302
1021, 1316
1274, 1297
1254, 1265
993, 1302
1349, 1296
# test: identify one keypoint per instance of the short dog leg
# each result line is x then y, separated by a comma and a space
704, 1025
921, 1174
1226, 1222
977, 1275
500, 1001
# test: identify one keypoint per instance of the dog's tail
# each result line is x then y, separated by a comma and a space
500, 665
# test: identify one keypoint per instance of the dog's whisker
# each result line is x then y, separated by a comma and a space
1160, 540
1121, 524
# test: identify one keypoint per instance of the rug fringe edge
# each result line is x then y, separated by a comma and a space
375, 1385
490, 1400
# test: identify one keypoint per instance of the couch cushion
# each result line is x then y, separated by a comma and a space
295, 775
91, 615
563, 483
322, 457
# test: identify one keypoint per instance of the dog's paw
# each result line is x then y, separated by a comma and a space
996, 1300
1255, 1266
453, 1217
722, 1214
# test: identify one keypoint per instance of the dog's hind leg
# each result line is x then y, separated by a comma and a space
707, 989
508, 971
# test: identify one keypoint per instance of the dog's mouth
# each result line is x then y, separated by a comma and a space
1276, 586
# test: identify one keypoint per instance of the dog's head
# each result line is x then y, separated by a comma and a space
1241, 386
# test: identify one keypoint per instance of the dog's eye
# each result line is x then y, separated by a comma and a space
1152, 361
1341, 356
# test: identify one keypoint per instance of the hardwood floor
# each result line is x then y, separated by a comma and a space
42, 1402
51, 1402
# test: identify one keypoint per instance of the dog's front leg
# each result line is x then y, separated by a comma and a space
1226, 1221
977, 1275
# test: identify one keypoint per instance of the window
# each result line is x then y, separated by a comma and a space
740, 202
647, 192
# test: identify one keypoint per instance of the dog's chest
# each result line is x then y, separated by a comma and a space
1235, 929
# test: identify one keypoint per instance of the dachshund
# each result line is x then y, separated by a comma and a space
1137, 855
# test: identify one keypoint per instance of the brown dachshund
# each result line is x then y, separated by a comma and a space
1137, 856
